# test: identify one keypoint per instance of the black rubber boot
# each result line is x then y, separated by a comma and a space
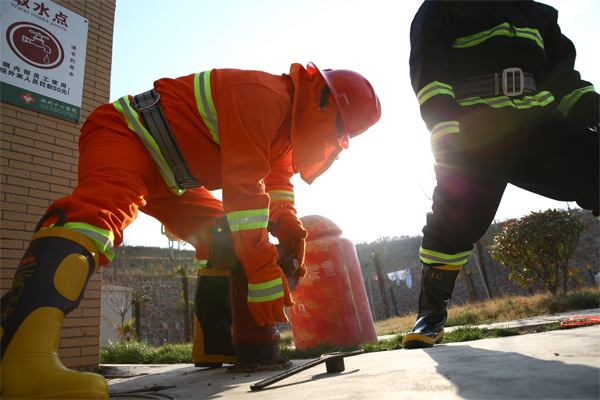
48, 284
212, 337
437, 285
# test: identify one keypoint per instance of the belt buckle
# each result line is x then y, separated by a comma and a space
513, 72
146, 106
191, 184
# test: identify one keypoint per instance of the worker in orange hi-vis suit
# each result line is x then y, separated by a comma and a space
162, 152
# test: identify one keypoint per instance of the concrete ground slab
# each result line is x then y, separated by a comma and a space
562, 364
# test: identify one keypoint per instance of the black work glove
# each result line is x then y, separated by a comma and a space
587, 110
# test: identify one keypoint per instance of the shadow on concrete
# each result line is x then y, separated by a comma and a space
510, 375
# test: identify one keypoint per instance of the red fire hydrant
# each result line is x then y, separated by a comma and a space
331, 300
255, 347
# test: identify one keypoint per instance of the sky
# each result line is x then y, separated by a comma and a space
382, 185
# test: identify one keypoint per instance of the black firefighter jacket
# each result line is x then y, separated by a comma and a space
455, 40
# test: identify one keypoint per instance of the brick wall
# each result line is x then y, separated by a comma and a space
39, 165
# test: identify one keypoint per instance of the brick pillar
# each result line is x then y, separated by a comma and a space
38, 164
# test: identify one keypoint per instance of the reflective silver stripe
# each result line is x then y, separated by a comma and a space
541, 99
207, 109
164, 169
532, 32
545, 98
528, 101
444, 128
483, 36
501, 29
498, 101
432, 89
96, 236
570, 99
257, 293
247, 220
274, 196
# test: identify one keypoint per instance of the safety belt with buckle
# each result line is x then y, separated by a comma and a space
148, 106
511, 82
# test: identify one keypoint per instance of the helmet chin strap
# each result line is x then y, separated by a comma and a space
323, 101
340, 129
340, 132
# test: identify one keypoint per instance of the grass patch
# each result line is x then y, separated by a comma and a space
139, 352
554, 327
286, 339
504, 332
463, 334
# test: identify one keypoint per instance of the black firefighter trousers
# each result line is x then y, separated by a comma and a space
550, 155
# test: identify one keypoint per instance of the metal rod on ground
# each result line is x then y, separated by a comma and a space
333, 361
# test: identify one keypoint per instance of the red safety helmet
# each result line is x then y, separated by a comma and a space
355, 98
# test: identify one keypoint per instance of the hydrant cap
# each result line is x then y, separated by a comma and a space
320, 227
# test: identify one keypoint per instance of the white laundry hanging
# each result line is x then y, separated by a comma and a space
401, 275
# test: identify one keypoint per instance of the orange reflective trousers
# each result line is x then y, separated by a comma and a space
118, 178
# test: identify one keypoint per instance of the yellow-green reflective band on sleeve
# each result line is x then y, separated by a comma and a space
248, 219
433, 89
204, 102
432, 257
539, 100
442, 129
504, 29
281, 195
200, 264
134, 124
102, 238
569, 100
265, 291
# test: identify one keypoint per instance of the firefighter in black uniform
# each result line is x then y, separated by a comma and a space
497, 88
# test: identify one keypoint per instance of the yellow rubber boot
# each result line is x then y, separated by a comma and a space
31, 368
48, 284
212, 337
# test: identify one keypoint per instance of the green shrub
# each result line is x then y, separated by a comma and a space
537, 248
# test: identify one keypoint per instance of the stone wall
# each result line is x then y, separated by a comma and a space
159, 320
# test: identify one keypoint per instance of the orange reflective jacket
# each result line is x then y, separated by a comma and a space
253, 112
234, 128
